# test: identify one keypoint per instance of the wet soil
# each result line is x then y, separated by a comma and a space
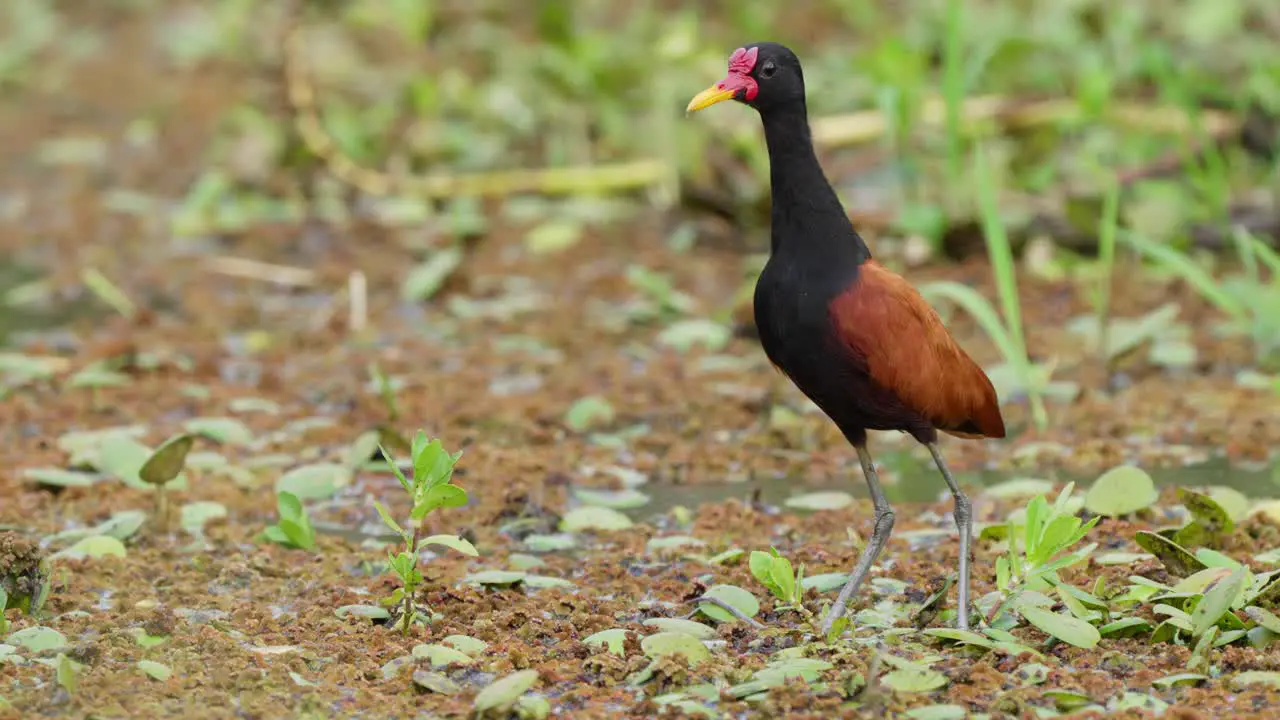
250, 627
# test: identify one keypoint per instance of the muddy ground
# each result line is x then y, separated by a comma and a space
492, 365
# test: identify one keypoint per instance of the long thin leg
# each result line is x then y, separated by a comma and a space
964, 522
879, 536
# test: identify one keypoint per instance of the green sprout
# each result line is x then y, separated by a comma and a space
774, 572
294, 529
1047, 532
164, 465
430, 489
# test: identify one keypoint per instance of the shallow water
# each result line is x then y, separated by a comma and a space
921, 483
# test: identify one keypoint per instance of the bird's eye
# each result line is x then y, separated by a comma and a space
768, 69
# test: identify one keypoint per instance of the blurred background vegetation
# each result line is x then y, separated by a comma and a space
1141, 130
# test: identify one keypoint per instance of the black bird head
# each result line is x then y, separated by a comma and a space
764, 75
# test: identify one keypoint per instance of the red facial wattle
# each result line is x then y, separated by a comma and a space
739, 79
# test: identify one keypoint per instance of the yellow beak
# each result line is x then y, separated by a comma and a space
709, 97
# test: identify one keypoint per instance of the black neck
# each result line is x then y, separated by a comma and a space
806, 210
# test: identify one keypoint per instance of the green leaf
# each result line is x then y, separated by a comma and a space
834, 500
733, 595
1264, 618
289, 506
387, 519
784, 578
441, 655
825, 582
225, 430
196, 515
1055, 537
1066, 628
167, 461
1240, 681
966, 637
371, 612
466, 644
155, 670
95, 546
38, 639
429, 460
1216, 602
761, 565
274, 534
914, 680
680, 625
1176, 558
404, 481
1121, 491
1209, 519
122, 456
318, 481
440, 496
67, 673
426, 278
683, 335
434, 682
594, 518
299, 533
612, 639
495, 577
505, 691
1033, 525
624, 499
462, 545
589, 413
362, 449
58, 477
663, 644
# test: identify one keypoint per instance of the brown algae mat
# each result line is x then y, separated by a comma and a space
624, 455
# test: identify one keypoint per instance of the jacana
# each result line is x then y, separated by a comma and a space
854, 337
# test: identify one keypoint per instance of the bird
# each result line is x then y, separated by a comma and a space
855, 337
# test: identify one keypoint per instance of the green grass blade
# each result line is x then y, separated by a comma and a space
1001, 255
1107, 259
1263, 252
953, 83
1186, 269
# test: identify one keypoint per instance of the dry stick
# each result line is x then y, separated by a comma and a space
867, 125
727, 608
357, 302
256, 270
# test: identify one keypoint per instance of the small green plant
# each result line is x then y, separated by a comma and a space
294, 529
430, 489
1048, 531
164, 466
67, 673
1246, 298
1107, 262
386, 391
775, 573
